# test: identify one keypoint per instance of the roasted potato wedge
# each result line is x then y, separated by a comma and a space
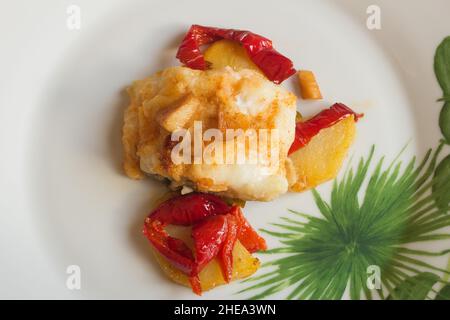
228, 53
321, 159
309, 88
244, 265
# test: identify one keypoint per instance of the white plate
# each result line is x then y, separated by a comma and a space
65, 200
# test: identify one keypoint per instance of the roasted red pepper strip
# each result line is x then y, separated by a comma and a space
179, 246
247, 235
159, 238
216, 226
190, 208
195, 285
274, 65
209, 236
305, 131
226, 253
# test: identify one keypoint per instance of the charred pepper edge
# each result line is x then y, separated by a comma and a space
305, 131
273, 64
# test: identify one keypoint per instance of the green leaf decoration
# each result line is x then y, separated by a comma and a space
442, 71
442, 182
374, 216
442, 65
444, 121
415, 288
444, 294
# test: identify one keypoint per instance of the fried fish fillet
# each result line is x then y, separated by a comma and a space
178, 97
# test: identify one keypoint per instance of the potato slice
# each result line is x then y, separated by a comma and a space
309, 88
224, 53
322, 158
244, 265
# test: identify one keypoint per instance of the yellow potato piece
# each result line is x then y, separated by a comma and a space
228, 53
244, 265
309, 88
321, 159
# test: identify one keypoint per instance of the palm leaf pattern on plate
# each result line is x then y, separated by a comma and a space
376, 216
326, 254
